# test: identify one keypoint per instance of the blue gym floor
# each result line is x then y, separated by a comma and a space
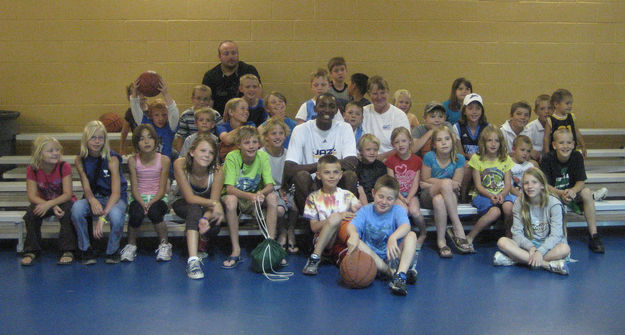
462, 295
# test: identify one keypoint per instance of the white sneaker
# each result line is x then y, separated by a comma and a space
500, 259
128, 253
559, 267
163, 252
600, 194
194, 269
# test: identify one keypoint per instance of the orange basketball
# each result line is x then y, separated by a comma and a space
112, 122
358, 269
148, 83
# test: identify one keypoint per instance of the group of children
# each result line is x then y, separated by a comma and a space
225, 164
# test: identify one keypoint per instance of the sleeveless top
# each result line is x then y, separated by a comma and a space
469, 140
568, 122
310, 110
97, 171
148, 177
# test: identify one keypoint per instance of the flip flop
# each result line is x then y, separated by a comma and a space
235, 259
445, 252
67, 254
30, 255
458, 242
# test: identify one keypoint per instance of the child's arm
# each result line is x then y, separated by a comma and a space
292, 168
415, 186
96, 206
177, 143
44, 205
547, 136
477, 181
418, 143
385, 155
230, 189
185, 187
456, 180
123, 136
392, 249
391, 173
515, 191
215, 197
559, 193
172, 109
316, 225
113, 198
581, 141
362, 196
353, 238
507, 185
228, 137
162, 183
518, 231
134, 184
135, 103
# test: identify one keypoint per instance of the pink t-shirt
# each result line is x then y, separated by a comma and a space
405, 170
50, 186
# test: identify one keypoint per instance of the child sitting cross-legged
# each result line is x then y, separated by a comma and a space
385, 230
326, 208
538, 231
247, 179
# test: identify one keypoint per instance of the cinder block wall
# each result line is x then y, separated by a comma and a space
65, 62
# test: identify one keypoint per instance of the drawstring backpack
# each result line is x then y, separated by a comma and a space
266, 257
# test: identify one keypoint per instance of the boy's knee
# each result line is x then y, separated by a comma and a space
411, 236
438, 201
271, 199
446, 185
585, 193
503, 242
231, 202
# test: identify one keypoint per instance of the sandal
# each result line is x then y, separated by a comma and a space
28, 259
235, 259
292, 248
461, 244
445, 252
66, 258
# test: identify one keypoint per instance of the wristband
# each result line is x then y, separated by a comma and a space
204, 217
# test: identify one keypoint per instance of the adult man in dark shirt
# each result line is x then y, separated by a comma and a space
223, 79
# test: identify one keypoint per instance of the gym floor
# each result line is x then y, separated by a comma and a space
462, 295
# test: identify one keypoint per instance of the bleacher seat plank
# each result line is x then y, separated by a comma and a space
20, 186
598, 153
20, 173
602, 131
595, 177
25, 160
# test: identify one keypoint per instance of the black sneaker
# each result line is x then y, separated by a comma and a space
113, 259
411, 276
88, 257
398, 284
595, 244
312, 265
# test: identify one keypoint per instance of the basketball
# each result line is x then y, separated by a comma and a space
148, 83
112, 122
358, 269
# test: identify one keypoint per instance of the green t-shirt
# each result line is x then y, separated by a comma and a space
247, 178
492, 173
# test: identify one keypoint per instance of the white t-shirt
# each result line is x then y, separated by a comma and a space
302, 113
517, 171
382, 125
536, 132
510, 135
308, 142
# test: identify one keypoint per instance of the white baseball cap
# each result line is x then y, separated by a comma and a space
472, 97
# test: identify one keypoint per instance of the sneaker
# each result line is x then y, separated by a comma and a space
398, 284
559, 267
595, 244
500, 259
128, 253
411, 276
312, 265
112, 259
600, 194
194, 269
88, 257
163, 252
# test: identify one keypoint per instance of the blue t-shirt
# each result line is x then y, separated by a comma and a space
291, 124
226, 127
453, 116
443, 173
100, 183
165, 136
374, 229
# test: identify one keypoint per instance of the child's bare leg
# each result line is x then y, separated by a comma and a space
589, 210
512, 250
560, 251
292, 218
440, 219
489, 217
451, 204
507, 217
272, 213
161, 230
379, 262
192, 240
282, 227
327, 235
408, 247
232, 203
467, 179
415, 212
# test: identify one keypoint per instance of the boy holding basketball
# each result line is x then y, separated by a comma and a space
385, 230
326, 208
163, 115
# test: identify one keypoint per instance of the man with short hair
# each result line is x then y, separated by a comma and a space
223, 79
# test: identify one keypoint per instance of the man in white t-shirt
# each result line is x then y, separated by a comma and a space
314, 139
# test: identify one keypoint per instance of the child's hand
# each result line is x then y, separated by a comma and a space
162, 87
260, 197
335, 218
41, 209
494, 199
536, 258
96, 206
284, 195
134, 88
352, 243
217, 216
569, 195
58, 212
455, 186
97, 229
392, 250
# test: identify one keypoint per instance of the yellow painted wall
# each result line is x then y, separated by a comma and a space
63, 63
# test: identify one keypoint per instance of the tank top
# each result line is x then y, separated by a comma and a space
468, 139
201, 191
148, 176
568, 122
